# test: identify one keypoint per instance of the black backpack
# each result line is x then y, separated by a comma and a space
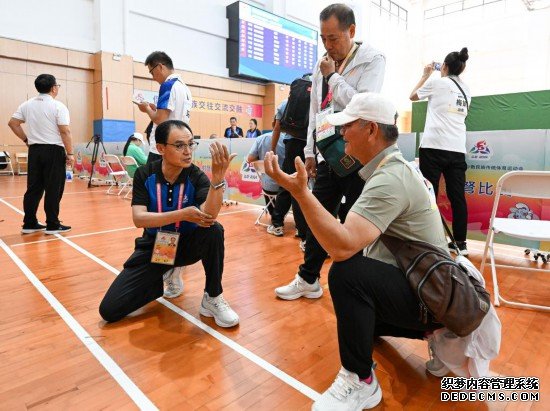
295, 119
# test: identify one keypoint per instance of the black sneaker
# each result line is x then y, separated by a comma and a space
32, 228
59, 229
461, 247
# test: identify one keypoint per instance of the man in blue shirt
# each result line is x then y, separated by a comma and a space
189, 204
233, 131
262, 145
174, 102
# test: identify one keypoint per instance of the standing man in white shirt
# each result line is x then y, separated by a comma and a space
346, 69
50, 143
174, 102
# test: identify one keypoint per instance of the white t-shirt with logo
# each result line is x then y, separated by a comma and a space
42, 115
174, 95
445, 127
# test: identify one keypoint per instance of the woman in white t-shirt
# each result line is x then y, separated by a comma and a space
443, 145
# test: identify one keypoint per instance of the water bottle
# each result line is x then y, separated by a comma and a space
69, 175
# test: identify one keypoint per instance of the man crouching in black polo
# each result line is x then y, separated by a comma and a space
173, 198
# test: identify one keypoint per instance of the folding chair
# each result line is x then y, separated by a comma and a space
525, 184
5, 161
22, 159
116, 170
260, 170
129, 161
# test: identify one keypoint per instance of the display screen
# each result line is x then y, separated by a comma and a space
264, 46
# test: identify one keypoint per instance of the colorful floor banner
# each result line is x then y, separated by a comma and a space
491, 154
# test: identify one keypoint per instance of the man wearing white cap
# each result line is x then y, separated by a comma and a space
371, 296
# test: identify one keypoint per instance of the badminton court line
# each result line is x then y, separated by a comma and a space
137, 396
276, 372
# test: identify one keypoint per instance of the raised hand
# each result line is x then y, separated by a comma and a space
327, 66
220, 161
295, 183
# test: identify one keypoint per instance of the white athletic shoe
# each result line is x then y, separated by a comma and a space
348, 393
173, 283
299, 288
218, 308
276, 231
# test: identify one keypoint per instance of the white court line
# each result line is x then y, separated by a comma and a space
294, 383
75, 236
137, 396
276, 372
65, 193
101, 232
12, 207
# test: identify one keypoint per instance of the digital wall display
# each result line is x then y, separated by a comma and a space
267, 47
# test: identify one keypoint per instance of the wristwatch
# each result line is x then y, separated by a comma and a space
217, 186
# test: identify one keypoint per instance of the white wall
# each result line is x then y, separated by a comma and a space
509, 46
62, 23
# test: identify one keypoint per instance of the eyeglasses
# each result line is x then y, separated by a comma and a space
57, 85
151, 71
182, 146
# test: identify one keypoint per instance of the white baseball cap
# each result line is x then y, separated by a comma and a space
366, 106
139, 136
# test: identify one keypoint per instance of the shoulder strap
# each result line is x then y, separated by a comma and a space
462, 91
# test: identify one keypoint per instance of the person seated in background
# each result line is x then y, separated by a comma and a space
186, 210
148, 131
233, 131
370, 294
253, 131
282, 204
133, 148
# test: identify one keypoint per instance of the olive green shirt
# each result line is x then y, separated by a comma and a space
396, 200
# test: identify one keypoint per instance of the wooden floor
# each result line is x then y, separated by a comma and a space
165, 355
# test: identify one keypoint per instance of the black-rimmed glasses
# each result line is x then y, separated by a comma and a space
182, 146
151, 71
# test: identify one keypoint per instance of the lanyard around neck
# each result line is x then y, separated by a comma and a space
339, 70
387, 158
180, 202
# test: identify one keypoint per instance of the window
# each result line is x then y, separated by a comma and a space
392, 11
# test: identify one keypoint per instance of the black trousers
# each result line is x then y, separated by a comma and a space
329, 188
279, 210
46, 174
453, 166
153, 157
372, 298
294, 147
140, 282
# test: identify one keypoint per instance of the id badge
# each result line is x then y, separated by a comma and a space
323, 128
457, 104
165, 247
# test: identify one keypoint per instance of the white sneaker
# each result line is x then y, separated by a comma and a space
218, 308
299, 288
435, 366
276, 231
348, 393
173, 283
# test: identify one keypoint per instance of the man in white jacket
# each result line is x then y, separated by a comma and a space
346, 69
